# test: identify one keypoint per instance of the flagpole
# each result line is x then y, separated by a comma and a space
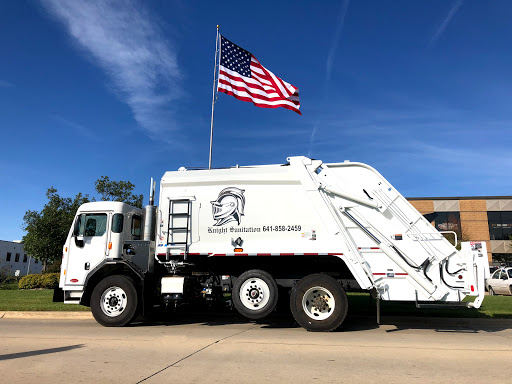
213, 97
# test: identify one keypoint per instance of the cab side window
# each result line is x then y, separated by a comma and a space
90, 225
136, 227
95, 224
117, 223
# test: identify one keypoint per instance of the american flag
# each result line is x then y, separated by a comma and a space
241, 75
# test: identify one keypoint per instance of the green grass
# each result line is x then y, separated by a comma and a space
34, 300
360, 304
499, 307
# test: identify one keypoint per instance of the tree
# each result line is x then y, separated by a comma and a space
47, 230
111, 190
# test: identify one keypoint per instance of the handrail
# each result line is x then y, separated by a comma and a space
454, 234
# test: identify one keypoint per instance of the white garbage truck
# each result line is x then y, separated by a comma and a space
304, 231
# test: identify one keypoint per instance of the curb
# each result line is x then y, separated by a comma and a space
46, 315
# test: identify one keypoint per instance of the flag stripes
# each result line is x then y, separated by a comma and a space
241, 75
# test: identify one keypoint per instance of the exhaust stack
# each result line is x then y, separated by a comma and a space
152, 192
150, 215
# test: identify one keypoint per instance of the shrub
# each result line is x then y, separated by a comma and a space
6, 275
9, 286
29, 282
48, 281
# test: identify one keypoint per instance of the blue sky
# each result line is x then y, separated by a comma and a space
420, 90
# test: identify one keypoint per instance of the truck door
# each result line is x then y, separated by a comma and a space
88, 246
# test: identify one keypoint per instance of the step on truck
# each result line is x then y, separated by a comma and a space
305, 232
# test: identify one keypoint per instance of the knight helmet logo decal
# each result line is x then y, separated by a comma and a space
229, 206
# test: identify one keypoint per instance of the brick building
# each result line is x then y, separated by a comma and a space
485, 218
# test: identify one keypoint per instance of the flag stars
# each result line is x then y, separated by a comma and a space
235, 58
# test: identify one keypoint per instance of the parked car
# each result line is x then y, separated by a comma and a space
500, 282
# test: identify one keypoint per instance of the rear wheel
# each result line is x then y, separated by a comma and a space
319, 303
114, 301
255, 294
491, 291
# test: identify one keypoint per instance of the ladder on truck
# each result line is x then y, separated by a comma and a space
178, 233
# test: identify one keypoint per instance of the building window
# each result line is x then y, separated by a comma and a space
25, 258
447, 221
500, 225
37, 261
8, 258
502, 258
17, 258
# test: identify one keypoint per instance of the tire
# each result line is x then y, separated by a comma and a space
114, 301
255, 294
319, 303
491, 291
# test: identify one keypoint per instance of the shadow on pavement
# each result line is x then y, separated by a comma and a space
20, 355
353, 323
448, 325
274, 321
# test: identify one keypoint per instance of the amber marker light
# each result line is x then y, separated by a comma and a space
110, 245
239, 249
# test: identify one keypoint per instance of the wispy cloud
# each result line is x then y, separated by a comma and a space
124, 40
455, 7
340, 22
77, 128
312, 139
5, 84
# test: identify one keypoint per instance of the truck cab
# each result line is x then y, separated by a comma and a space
96, 238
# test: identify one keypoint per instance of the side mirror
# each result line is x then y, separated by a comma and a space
79, 241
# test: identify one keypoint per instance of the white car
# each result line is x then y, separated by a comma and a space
500, 283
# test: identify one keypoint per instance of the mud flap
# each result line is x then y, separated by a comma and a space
58, 295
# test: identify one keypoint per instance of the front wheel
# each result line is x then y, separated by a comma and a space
114, 301
491, 291
319, 303
255, 294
